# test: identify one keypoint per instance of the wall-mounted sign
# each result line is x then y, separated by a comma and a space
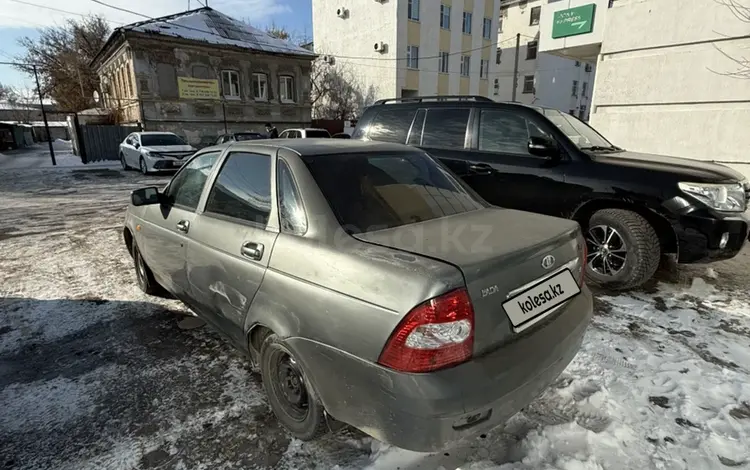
573, 21
198, 89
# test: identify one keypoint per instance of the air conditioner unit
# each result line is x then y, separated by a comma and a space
329, 59
380, 47
342, 12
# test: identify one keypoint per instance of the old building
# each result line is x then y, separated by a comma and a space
200, 72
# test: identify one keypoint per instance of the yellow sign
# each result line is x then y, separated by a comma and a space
198, 89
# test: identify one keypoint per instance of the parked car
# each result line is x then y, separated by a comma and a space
304, 134
633, 206
239, 137
154, 151
367, 283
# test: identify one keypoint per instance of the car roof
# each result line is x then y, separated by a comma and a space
435, 101
305, 129
154, 133
312, 147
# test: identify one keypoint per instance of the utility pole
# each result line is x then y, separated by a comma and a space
44, 116
515, 66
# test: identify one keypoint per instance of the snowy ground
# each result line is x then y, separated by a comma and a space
93, 374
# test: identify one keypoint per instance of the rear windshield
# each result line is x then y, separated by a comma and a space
161, 139
321, 133
248, 136
370, 191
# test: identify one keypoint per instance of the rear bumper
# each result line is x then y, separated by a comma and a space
699, 233
425, 412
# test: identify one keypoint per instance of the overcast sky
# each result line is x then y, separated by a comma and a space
18, 19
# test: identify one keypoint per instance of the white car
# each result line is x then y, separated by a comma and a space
304, 134
154, 151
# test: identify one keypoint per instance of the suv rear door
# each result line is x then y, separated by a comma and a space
232, 238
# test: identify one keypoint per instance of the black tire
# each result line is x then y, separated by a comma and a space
643, 252
144, 276
306, 419
123, 162
142, 166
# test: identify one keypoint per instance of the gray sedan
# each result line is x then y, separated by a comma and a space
367, 284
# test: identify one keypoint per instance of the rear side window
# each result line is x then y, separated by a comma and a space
291, 210
446, 127
243, 188
369, 191
391, 125
506, 132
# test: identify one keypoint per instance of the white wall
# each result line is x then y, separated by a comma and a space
368, 22
585, 46
660, 88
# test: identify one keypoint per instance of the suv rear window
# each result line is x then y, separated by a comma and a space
392, 125
374, 191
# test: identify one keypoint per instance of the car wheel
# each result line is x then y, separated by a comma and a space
123, 163
623, 249
143, 274
143, 166
289, 392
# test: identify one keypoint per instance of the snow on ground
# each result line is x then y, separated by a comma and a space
94, 374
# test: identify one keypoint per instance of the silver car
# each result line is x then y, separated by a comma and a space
154, 151
367, 283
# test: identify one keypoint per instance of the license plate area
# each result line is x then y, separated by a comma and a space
541, 298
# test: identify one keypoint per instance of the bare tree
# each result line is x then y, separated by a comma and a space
63, 55
335, 91
23, 103
742, 13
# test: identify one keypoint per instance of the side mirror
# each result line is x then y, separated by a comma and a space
543, 147
137, 145
145, 196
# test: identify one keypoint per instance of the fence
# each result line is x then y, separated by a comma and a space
102, 142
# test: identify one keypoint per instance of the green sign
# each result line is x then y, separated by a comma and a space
573, 21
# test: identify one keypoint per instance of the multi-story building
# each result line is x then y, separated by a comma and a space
543, 79
401, 48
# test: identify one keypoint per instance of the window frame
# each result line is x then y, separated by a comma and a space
496, 86
498, 56
412, 7
281, 162
466, 26
412, 62
465, 63
530, 118
484, 69
584, 89
529, 49
532, 20
574, 89
265, 78
209, 180
272, 223
445, 16
293, 91
525, 82
467, 132
487, 28
444, 62
238, 96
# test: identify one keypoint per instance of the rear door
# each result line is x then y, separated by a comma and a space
168, 225
232, 239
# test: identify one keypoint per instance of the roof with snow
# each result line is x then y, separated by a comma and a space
210, 26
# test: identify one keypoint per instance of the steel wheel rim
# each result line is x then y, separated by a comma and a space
607, 250
289, 386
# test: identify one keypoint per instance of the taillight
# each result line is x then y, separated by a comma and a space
434, 335
582, 258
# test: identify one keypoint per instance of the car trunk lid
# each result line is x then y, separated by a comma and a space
500, 253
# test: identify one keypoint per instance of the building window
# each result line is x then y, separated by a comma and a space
445, 16
536, 13
230, 84
497, 86
465, 65
584, 88
575, 88
260, 87
572, 112
587, 68
500, 24
498, 55
578, 63
467, 23
412, 57
528, 84
531, 50
484, 68
444, 62
286, 89
582, 112
487, 28
413, 9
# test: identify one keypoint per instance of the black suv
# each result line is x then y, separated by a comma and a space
633, 206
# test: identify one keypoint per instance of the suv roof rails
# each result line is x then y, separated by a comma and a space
419, 99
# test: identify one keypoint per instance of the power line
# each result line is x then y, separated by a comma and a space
122, 9
59, 10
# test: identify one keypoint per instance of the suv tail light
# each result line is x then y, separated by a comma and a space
582, 259
434, 335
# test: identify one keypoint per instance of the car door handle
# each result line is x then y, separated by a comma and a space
183, 226
481, 168
252, 250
